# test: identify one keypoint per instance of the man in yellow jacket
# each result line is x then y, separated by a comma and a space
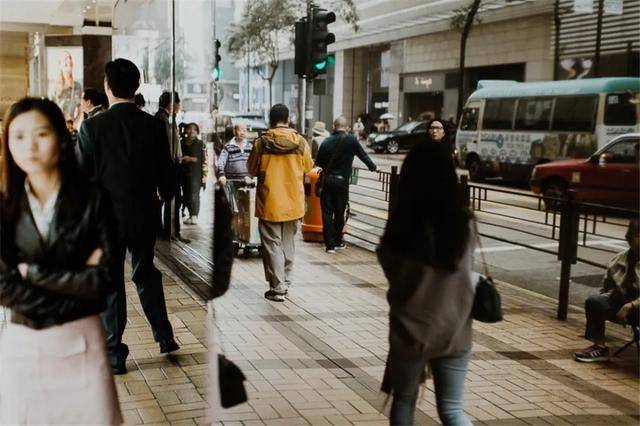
280, 158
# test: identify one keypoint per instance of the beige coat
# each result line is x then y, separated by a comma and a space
280, 159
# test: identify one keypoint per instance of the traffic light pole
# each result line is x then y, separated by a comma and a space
302, 105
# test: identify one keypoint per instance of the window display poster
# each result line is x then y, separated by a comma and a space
64, 78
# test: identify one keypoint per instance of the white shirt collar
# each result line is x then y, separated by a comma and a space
42, 214
121, 102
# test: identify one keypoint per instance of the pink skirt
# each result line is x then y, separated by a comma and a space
59, 375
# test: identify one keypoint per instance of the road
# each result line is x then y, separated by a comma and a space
519, 237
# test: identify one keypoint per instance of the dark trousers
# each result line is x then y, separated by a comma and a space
148, 281
602, 307
192, 196
333, 202
166, 215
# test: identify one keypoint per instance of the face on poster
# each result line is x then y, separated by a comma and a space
64, 77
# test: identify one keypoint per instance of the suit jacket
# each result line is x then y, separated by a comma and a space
59, 286
175, 148
125, 150
95, 111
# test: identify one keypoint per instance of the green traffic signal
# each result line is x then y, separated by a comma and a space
216, 73
331, 60
320, 66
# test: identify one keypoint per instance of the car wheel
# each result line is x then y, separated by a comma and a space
553, 191
393, 147
475, 170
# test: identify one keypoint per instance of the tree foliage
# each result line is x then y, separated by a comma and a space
265, 23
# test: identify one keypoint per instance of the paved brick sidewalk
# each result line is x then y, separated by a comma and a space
318, 358
160, 389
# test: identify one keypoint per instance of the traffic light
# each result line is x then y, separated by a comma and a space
301, 49
215, 74
320, 38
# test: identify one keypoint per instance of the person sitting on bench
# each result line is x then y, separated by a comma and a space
618, 299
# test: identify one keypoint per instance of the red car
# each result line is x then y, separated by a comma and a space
609, 177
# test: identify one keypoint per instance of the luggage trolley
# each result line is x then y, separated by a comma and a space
246, 233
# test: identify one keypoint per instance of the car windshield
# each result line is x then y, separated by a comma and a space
251, 116
407, 127
250, 123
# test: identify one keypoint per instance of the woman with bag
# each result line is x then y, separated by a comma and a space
426, 254
56, 266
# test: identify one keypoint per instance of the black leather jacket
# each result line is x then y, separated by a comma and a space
59, 287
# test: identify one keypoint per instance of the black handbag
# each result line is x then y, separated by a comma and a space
487, 303
324, 174
222, 246
231, 381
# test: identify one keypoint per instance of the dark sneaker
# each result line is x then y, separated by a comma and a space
593, 354
168, 345
341, 246
119, 368
273, 296
330, 250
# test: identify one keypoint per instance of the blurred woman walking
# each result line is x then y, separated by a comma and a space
57, 232
426, 254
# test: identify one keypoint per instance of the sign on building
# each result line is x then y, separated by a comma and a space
613, 7
610, 7
582, 6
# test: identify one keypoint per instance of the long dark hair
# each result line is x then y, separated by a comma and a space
12, 178
428, 220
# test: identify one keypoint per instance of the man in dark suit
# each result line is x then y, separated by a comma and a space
125, 150
166, 112
92, 102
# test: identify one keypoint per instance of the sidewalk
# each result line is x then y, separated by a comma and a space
318, 358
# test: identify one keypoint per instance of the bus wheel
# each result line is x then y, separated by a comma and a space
475, 170
553, 191
392, 147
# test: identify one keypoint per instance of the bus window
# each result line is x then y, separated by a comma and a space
498, 114
619, 110
469, 119
533, 114
574, 113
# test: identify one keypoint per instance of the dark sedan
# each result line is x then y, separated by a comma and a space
404, 137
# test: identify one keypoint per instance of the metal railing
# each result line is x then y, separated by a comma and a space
573, 231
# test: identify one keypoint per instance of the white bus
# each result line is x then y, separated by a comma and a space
508, 127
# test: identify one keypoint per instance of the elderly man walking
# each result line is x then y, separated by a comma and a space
280, 158
335, 157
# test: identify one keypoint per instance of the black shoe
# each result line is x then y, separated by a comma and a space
273, 296
119, 368
168, 345
341, 246
182, 239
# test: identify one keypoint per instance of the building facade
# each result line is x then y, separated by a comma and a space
404, 59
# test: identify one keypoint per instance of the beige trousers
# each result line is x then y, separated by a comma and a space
278, 251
